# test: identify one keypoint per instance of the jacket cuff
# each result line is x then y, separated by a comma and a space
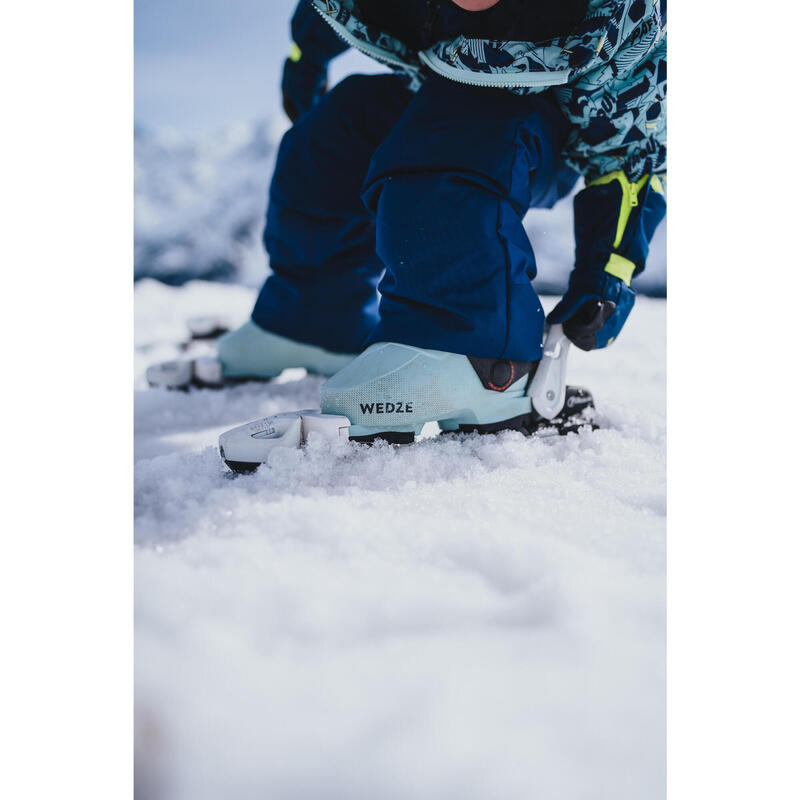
615, 220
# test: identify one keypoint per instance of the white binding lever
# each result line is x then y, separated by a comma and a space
549, 385
251, 443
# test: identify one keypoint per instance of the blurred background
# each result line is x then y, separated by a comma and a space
208, 121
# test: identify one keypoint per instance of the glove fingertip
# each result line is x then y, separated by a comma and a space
584, 344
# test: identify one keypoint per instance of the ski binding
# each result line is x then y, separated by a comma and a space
557, 409
245, 448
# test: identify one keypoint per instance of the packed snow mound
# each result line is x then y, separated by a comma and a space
480, 618
200, 204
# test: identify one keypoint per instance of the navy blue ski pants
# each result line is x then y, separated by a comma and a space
422, 197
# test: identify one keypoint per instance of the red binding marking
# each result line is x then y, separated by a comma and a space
510, 381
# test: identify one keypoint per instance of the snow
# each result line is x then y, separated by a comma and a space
200, 202
472, 618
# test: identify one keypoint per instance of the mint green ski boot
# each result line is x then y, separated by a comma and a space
247, 353
391, 390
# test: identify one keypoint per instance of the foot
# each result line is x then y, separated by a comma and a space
248, 353
391, 390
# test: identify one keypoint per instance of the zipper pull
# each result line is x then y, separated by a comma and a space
634, 195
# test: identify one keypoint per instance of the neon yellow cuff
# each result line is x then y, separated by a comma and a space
620, 267
295, 53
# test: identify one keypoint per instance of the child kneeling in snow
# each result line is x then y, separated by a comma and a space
394, 228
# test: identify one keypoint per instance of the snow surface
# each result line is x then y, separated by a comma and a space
200, 202
472, 618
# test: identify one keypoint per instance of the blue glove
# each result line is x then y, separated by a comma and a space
303, 84
305, 72
593, 311
615, 219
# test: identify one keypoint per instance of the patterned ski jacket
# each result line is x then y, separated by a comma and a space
608, 75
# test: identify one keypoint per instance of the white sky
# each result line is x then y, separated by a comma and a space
200, 64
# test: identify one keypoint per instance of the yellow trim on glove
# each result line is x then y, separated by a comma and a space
620, 267
295, 53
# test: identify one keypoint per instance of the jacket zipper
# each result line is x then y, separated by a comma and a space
368, 49
498, 79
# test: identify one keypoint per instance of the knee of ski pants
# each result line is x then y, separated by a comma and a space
450, 184
449, 187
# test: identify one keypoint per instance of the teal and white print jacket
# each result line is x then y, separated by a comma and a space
609, 76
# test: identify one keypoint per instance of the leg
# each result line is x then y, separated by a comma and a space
319, 236
449, 187
461, 326
318, 306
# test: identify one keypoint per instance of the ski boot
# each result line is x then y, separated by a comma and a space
391, 390
247, 354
